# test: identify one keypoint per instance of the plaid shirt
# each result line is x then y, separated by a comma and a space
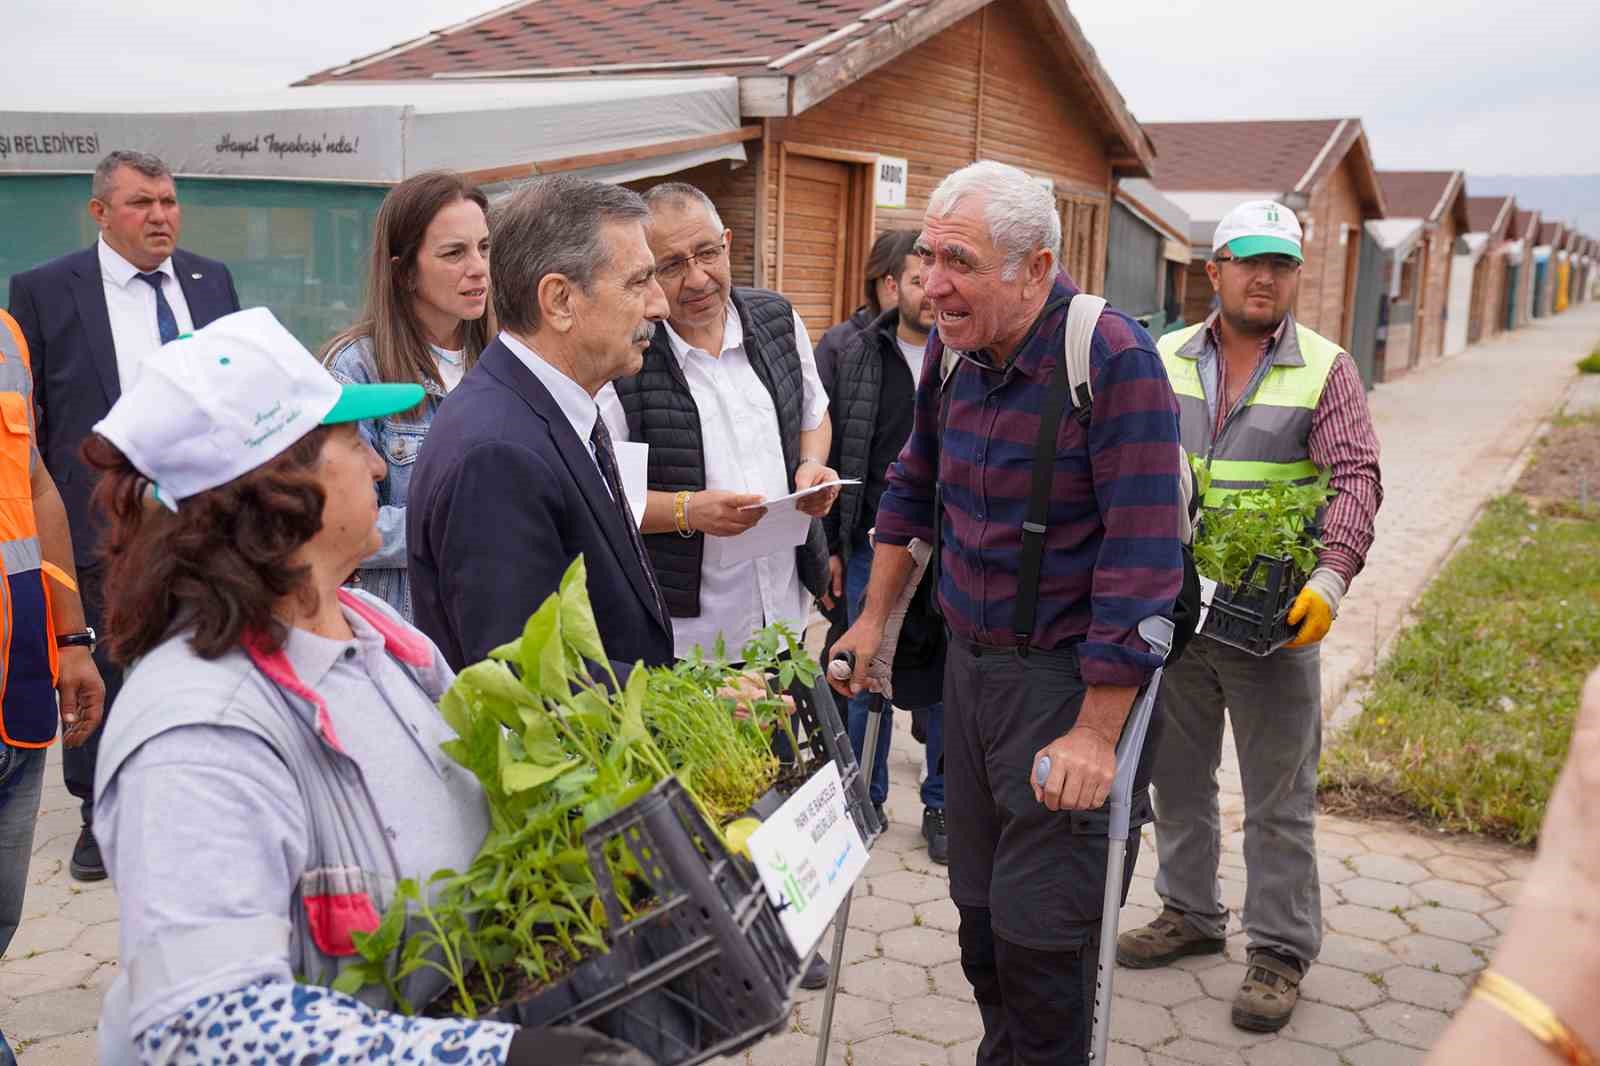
1111, 555
1342, 441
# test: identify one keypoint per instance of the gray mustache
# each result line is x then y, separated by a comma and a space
644, 333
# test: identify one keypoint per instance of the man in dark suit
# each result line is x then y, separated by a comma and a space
91, 318
519, 475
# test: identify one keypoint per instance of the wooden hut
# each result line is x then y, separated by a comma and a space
1438, 199
1489, 235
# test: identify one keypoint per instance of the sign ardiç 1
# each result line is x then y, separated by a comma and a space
344, 144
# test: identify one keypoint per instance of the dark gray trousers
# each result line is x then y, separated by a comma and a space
1275, 706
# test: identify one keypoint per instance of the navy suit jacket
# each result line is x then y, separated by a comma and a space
504, 496
61, 307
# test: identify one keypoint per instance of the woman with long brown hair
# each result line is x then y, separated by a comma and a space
427, 316
274, 768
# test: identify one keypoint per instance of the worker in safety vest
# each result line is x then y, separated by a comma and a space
1263, 399
46, 672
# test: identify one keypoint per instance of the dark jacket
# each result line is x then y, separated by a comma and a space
61, 307
871, 406
837, 337
504, 496
662, 413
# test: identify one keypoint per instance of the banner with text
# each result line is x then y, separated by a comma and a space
809, 854
334, 144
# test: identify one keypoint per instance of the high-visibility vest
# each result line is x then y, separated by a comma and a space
28, 663
1267, 439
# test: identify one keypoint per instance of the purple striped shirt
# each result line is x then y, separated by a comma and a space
1112, 555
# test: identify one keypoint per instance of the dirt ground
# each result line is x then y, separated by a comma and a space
1566, 469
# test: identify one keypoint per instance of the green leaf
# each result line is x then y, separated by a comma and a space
544, 667
351, 979
497, 690
541, 743
578, 628
632, 727
521, 776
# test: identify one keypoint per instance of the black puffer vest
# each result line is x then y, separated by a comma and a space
662, 413
858, 385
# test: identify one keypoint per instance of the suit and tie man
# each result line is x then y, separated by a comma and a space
519, 475
733, 411
90, 319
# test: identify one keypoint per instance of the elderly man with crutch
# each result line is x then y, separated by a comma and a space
1057, 521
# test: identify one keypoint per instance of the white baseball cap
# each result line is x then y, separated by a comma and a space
1259, 227
215, 404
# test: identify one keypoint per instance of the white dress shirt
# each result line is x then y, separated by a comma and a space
743, 453
131, 305
573, 399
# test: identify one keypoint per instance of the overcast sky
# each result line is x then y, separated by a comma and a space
1489, 86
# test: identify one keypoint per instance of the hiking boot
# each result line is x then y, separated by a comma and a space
1270, 990
1165, 940
933, 832
86, 863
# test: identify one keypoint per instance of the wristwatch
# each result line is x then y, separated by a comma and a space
83, 638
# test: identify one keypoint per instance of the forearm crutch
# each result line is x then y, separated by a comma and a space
1157, 633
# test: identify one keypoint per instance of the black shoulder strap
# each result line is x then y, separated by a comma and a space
1044, 467
932, 574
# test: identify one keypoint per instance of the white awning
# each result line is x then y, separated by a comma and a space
616, 128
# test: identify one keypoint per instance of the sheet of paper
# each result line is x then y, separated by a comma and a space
633, 467
783, 528
808, 854
782, 502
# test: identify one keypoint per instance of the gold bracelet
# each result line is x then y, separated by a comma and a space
680, 514
1530, 1012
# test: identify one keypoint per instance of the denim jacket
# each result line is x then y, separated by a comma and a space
397, 439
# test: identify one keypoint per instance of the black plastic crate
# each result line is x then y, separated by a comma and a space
823, 739
1253, 615
707, 970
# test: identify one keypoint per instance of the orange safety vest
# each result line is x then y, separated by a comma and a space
28, 656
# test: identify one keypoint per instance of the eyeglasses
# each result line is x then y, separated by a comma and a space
673, 269
1280, 266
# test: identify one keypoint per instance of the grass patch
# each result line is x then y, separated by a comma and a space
1470, 717
1590, 364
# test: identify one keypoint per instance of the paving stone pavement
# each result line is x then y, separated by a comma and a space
1410, 915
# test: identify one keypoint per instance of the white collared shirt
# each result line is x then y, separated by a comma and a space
743, 452
131, 306
573, 399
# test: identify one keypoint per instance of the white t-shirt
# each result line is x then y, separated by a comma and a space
452, 365
913, 356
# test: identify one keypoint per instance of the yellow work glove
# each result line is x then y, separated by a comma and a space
1316, 607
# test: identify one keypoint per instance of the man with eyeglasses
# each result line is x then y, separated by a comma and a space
1028, 860
731, 406
1262, 399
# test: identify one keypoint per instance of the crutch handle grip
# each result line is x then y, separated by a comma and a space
842, 666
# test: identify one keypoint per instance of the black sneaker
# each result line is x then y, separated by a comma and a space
883, 815
86, 862
816, 975
933, 832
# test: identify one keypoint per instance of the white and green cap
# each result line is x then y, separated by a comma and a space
215, 404
1259, 227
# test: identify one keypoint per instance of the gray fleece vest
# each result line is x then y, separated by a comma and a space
351, 869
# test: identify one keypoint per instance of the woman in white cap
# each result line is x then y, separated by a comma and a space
274, 767
427, 316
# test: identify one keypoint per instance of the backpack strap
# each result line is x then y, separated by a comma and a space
1083, 315
1070, 381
